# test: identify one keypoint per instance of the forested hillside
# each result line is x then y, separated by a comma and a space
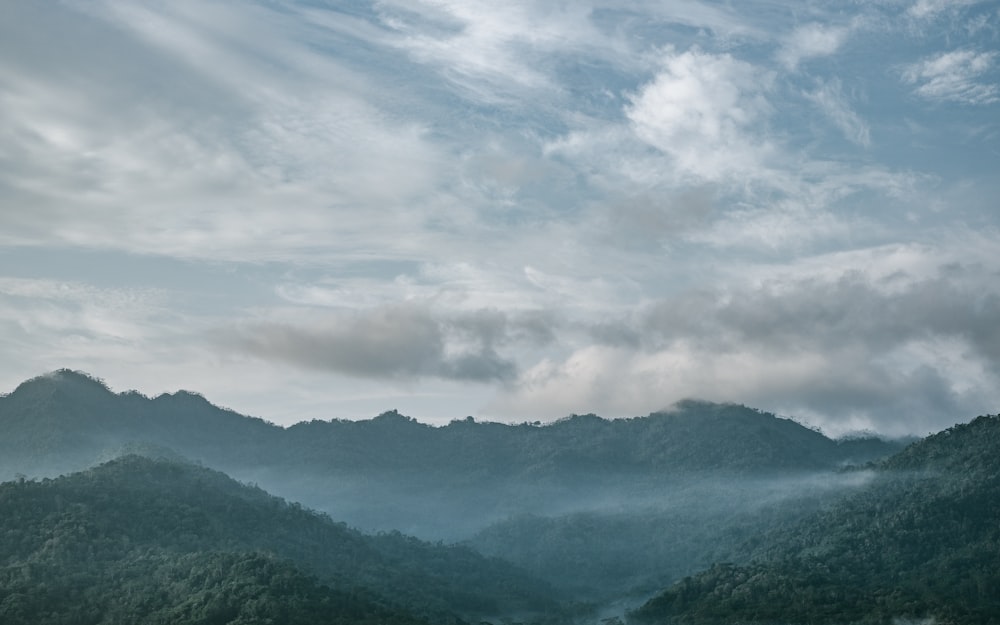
616, 552
392, 472
160, 541
605, 509
922, 541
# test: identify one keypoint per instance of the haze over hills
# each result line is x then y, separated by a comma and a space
392, 472
607, 512
920, 542
603, 508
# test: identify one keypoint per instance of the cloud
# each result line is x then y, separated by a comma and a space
64, 323
704, 111
811, 41
955, 76
928, 9
243, 144
406, 341
494, 54
609, 204
651, 218
896, 354
830, 99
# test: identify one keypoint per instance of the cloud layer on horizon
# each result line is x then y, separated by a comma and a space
514, 211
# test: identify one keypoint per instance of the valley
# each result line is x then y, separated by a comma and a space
707, 513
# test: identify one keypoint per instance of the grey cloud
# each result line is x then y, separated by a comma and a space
489, 328
820, 315
534, 327
393, 342
647, 219
485, 365
389, 343
903, 356
888, 400
486, 327
615, 334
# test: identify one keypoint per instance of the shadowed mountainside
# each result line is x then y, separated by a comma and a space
920, 541
66, 420
603, 508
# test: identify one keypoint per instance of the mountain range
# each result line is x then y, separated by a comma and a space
66, 420
705, 513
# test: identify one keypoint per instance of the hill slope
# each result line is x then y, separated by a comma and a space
921, 541
122, 526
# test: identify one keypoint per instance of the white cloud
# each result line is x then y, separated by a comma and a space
928, 9
810, 41
221, 155
846, 350
495, 53
829, 98
513, 188
705, 111
956, 76
72, 324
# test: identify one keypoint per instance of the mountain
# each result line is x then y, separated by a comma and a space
920, 542
602, 508
617, 552
163, 541
67, 421
66, 418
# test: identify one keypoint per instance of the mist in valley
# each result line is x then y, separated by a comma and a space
600, 538
576, 521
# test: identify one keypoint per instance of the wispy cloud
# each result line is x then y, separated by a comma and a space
492, 52
830, 99
227, 157
61, 323
811, 41
593, 206
961, 76
926, 9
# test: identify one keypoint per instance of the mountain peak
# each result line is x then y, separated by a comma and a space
66, 381
183, 397
391, 417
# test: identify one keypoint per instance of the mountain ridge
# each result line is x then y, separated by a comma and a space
393, 472
188, 421
608, 510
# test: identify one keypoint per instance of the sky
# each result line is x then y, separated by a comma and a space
514, 211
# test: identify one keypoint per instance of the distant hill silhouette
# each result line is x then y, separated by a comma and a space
66, 420
393, 472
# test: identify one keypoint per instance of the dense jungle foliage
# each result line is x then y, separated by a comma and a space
922, 541
103, 540
571, 522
